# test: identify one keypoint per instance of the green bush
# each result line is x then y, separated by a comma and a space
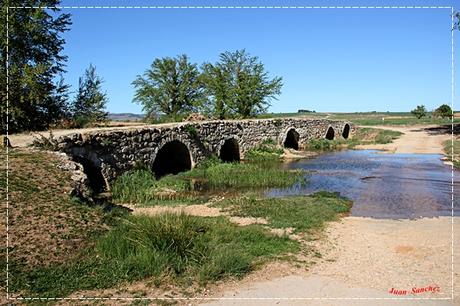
266, 151
323, 144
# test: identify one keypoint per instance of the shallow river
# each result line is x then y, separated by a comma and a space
382, 185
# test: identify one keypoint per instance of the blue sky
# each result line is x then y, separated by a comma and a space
330, 60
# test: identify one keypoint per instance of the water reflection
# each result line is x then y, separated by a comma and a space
382, 185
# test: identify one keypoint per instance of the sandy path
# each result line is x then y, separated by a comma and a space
365, 258
416, 139
201, 210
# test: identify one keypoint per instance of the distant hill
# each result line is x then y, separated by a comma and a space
125, 117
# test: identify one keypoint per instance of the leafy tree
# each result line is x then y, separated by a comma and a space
419, 111
35, 60
59, 106
171, 86
239, 85
90, 101
444, 111
216, 79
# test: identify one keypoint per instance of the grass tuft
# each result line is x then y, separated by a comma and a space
141, 187
361, 136
177, 246
300, 212
455, 158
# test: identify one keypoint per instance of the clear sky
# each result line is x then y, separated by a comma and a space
330, 59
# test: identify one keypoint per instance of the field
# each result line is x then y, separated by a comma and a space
372, 118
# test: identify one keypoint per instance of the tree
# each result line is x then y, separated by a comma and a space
90, 101
171, 86
35, 60
239, 85
444, 111
419, 111
216, 80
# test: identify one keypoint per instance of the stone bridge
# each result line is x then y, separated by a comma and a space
178, 147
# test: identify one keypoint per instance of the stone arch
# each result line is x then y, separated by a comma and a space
230, 150
292, 139
346, 131
330, 134
171, 158
93, 171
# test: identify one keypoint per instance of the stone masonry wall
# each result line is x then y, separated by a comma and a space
116, 151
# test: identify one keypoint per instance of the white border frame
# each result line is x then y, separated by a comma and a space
451, 8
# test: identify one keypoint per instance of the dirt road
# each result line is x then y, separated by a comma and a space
362, 260
426, 139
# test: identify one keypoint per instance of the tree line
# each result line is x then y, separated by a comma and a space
443, 111
37, 94
235, 86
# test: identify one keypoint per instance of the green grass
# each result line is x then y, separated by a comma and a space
361, 136
246, 176
455, 158
374, 136
325, 145
141, 187
397, 118
267, 151
300, 212
181, 248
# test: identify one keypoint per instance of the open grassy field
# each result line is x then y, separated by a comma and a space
384, 118
370, 118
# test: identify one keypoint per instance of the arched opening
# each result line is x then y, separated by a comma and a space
96, 180
292, 140
230, 151
346, 131
172, 158
330, 133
